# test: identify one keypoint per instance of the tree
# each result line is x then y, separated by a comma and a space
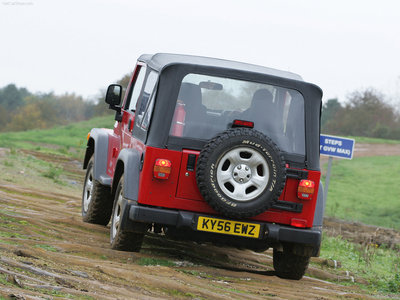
12, 97
329, 111
365, 114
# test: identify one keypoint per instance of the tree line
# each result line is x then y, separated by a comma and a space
365, 113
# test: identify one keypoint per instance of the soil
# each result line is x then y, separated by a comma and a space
47, 251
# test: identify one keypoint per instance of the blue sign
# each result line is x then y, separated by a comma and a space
336, 146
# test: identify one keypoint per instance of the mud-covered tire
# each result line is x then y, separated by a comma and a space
241, 173
96, 199
121, 239
288, 265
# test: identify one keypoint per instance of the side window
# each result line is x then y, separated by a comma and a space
146, 106
146, 119
137, 87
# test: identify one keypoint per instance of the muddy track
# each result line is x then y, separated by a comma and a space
47, 251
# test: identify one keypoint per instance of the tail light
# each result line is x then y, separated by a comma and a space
162, 168
306, 189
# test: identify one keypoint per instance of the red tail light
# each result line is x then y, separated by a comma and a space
162, 168
306, 189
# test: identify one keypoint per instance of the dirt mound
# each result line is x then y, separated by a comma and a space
362, 234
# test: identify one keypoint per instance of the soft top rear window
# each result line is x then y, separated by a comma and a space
208, 105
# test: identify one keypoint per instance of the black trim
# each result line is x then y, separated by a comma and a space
296, 174
288, 206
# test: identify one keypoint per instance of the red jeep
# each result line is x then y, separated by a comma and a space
213, 151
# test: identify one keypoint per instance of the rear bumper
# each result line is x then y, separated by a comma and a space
270, 233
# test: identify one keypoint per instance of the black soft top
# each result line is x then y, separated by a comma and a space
174, 67
160, 61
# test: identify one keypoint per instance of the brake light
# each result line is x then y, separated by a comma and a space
306, 189
242, 123
162, 168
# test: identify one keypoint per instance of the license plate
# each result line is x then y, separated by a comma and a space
228, 227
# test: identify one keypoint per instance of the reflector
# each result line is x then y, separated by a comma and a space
298, 223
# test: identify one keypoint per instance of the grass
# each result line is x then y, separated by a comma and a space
46, 247
148, 261
69, 140
379, 266
366, 189
368, 140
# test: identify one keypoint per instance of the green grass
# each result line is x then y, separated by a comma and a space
379, 266
368, 140
46, 247
147, 261
366, 189
62, 139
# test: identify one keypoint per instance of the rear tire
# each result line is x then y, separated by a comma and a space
121, 239
288, 265
96, 199
241, 173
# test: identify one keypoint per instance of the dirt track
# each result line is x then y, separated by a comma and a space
47, 251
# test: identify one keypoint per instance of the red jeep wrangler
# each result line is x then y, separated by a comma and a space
213, 151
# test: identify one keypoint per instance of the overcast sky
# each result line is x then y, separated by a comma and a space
82, 46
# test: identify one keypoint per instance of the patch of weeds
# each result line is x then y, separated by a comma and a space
13, 151
53, 173
191, 272
54, 293
47, 247
393, 285
148, 261
10, 234
8, 242
10, 226
3, 280
7, 163
23, 222
104, 257
64, 150
230, 289
5, 218
8, 212
178, 293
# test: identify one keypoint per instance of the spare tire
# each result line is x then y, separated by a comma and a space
241, 173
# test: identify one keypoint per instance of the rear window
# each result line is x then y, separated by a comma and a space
208, 105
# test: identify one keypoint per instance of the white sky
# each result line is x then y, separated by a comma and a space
82, 46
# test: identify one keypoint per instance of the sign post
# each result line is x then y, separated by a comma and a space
334, 146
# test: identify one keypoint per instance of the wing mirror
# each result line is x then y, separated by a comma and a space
113, 96
113, 99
